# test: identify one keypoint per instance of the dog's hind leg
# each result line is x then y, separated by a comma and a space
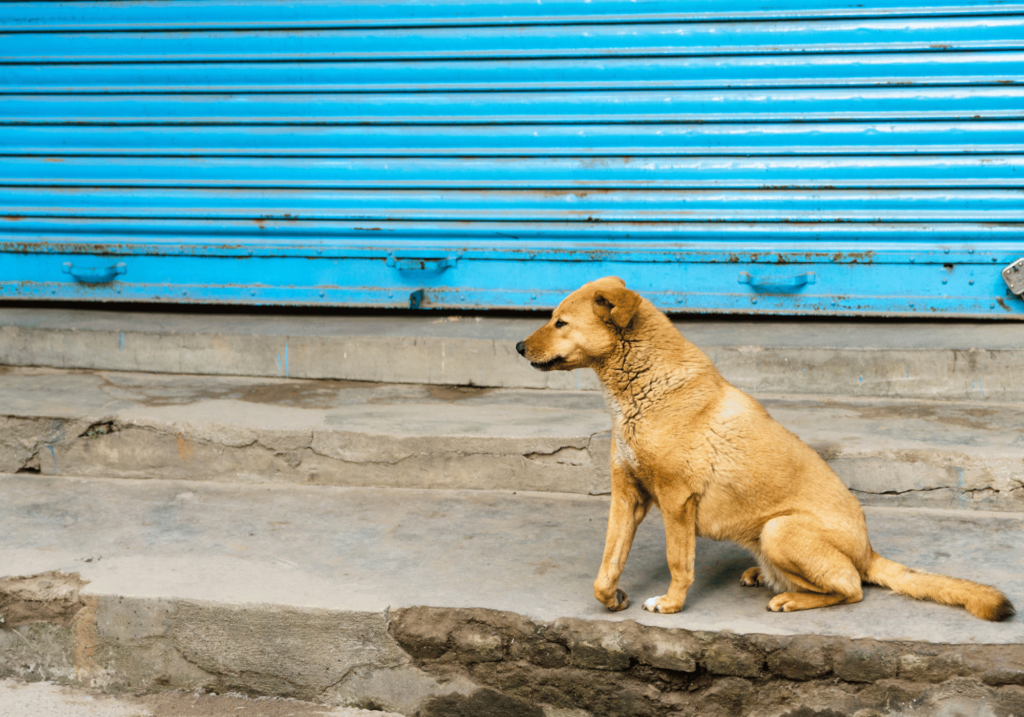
819, 575
628, 508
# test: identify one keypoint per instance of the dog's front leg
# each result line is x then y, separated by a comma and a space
629, 506
680, 515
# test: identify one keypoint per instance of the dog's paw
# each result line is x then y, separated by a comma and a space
661, 604
621, 601
783, 602
751, 578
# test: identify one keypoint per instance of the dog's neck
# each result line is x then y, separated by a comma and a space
650, 359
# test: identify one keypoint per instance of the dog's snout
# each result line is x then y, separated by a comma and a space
521, 348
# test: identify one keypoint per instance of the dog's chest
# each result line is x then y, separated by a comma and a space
624, 435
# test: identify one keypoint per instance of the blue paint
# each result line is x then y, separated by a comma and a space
878, 147
120, 342
278, 364
960, 486
53, 455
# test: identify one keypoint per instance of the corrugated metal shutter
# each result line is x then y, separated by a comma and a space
784, 156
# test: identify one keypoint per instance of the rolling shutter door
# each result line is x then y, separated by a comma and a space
781, 157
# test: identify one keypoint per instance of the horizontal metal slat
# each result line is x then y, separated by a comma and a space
561, 240
267, 14
654, 40
832, 138
723, 73
520, 206
870, 104
851, 280
976, 171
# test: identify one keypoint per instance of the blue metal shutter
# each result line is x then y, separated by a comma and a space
786, 156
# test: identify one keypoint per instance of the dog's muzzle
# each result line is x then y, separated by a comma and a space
521, 348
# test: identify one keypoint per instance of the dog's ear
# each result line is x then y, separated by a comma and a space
616, 305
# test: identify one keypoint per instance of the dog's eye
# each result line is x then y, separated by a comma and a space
559, 324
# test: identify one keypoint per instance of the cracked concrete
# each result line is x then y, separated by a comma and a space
939, 454
977, 361
429, 603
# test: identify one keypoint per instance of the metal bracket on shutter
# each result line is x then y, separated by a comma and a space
422, 264
1013, 275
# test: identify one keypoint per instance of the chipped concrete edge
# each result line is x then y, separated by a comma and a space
430, 661
108, 447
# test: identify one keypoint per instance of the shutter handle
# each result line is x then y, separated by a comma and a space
94, 274
780, 282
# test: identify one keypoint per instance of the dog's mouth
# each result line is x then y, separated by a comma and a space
546, 365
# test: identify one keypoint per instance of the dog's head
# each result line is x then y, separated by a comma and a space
584, 328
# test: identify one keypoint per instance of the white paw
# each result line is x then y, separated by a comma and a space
651, 605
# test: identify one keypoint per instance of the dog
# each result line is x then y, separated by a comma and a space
717, 465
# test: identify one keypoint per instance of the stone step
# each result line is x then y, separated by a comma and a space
948, 360
891, 452
433, 602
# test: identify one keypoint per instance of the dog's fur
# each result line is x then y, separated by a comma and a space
719, 466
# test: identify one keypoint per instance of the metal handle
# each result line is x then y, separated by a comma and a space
782, 282
94, 274
1013, 275
417, 264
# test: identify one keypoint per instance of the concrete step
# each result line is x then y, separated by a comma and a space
432, 602
951, 360
261, 430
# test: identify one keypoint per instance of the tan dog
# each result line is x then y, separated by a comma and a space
719, 466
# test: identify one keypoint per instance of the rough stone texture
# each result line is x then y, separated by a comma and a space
801, 659
891, 453
231, 642
733, 657
426, 662
617, 677
400, 689
864, 661
43, 699
48, 597
965, 360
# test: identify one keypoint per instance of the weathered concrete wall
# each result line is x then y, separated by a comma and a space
440, 662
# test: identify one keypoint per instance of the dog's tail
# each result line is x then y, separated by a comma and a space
980, 600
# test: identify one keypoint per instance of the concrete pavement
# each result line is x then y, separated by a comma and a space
45, 699
354, 597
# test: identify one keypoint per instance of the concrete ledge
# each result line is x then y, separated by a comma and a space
899, 359
436, 603
203, 428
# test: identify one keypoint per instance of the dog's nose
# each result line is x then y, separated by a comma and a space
521, 348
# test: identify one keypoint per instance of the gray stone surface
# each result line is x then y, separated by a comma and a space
363, 551
441, 603
905, 452
42, 699
977, 361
